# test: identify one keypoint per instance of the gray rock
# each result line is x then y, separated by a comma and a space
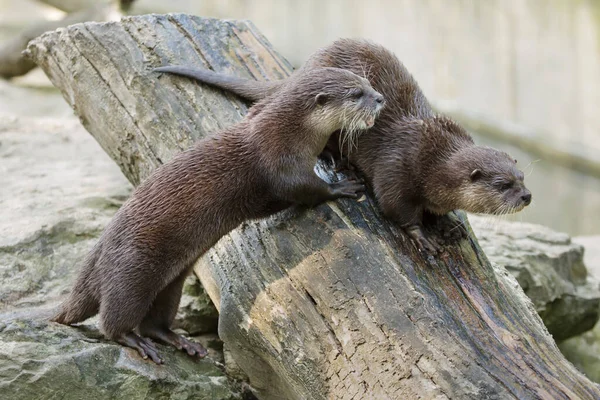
59, 190
550, 269
591, 256
47, 360
584, 350
197, 314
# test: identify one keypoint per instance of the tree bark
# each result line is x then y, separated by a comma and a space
331, 302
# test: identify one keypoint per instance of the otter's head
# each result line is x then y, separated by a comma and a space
491, 182
338, 100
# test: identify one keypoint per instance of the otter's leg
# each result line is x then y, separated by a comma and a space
308, 189
144, 346
156, 324
410, 218
124, 303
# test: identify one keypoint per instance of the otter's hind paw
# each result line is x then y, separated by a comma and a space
429, 245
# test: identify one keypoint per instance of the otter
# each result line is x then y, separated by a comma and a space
134, 275
416, 162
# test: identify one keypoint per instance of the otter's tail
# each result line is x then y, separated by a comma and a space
245, 88
82, 302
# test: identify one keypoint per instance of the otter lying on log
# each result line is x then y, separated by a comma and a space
329, 303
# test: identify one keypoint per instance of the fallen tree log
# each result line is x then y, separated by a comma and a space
332, 302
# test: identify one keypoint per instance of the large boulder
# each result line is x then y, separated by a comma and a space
48, 360
584, 350
549, 267
59, 190
197, 313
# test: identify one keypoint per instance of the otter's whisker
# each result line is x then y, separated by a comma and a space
342, 132
458, 225
532, 164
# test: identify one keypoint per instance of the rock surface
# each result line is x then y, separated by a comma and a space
591, 256
550, 269
584, 350
197, 314
59, 190
47, 360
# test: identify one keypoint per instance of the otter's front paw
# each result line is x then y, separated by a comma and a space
351, 187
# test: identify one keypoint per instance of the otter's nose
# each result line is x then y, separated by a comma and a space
379, 101
526, 198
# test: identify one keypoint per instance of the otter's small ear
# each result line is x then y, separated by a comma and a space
515, 160
321, 99
476, 174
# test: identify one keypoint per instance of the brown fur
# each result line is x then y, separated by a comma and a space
134, 276
414, 160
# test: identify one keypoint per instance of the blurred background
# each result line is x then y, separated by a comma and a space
521, 75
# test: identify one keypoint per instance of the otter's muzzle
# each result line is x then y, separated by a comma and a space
376, 102
526, 197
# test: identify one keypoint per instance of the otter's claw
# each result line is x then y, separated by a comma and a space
348, 188
144, 346
430, 246
192, 348
416, 234
167, 336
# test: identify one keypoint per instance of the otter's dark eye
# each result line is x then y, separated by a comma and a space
356, 93
321, 99
475, 175
505, 186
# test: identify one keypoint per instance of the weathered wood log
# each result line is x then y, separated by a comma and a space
332, 302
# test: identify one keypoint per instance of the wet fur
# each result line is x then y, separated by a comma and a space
134, 276
415, 160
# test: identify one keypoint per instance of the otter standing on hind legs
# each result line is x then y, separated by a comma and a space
134, 275
417, 163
